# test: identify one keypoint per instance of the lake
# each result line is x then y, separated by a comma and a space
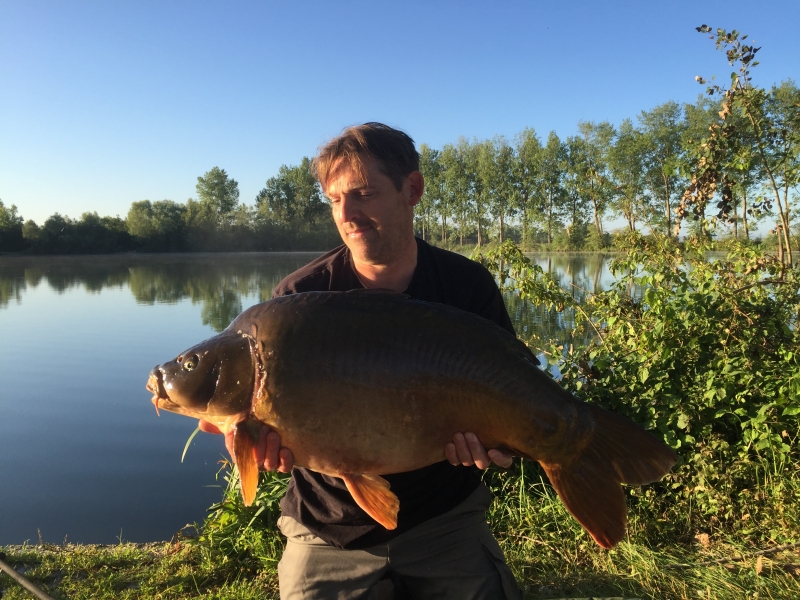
83, 456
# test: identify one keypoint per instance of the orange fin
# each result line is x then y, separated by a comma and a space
593, 498
244, 454
371, 493
620, 451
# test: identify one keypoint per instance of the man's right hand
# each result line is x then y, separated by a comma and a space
269, 453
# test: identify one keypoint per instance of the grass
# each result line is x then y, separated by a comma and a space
667, 556
552, 557
127, 571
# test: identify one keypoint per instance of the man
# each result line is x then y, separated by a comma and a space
442, 547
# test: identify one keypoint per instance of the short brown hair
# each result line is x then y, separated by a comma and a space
391, 148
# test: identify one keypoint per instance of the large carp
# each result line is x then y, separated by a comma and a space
365, 383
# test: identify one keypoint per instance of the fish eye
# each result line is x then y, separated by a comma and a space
191, 362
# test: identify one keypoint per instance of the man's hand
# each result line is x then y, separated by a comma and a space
466, 449
269, 454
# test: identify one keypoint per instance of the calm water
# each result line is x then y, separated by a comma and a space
82, 453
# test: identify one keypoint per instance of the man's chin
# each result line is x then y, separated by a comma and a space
365, 250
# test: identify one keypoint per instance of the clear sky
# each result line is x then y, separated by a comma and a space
105, 103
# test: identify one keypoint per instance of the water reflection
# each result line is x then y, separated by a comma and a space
580, 274
219, 282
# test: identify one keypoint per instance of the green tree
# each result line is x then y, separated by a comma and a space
626, 162
292, 198
504, 188
95, 234
662, 136
598, 187
478, 197
157, 225
32, 233
754, 126
576, 185
433, 200
528, 178
218, 194
553, 194
11, 238
458, 179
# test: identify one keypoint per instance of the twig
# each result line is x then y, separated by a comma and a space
22, 580
718, 561
597, 331
577, 287
762, 282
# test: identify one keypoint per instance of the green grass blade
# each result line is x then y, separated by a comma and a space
189, 441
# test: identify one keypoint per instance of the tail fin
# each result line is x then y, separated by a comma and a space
620, 451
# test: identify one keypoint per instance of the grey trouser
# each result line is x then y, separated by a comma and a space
453, 556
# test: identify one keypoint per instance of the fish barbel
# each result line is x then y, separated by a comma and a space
367, 383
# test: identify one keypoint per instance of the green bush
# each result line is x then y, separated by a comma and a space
703, 352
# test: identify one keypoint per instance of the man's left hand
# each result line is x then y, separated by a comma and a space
466, 449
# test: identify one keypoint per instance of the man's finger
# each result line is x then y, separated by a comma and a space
462, 450
477, 451
286, 460
500, 458
272, 459
450, 454
261, 447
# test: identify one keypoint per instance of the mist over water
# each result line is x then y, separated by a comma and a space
82, 453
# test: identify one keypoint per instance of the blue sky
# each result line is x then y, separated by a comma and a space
106, 103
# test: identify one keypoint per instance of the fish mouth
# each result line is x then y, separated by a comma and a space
155, 385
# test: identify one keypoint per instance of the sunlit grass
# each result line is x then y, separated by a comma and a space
666, 556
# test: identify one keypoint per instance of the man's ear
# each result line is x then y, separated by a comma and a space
416, 184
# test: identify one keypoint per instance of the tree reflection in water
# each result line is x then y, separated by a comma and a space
219, 282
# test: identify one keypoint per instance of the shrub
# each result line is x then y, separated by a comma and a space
703, 352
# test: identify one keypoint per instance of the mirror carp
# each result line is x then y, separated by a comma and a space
364, 383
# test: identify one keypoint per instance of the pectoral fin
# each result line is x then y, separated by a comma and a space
244, 451
371, 493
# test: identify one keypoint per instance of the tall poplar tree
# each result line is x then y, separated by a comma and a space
662, 131
528, 178
431, 200
626, 162
597, 139
552, 164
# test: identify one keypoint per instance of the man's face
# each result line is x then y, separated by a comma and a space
375, 219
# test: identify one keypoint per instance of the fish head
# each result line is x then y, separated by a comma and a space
212, 380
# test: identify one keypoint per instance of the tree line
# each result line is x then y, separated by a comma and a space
559, 193
738, 146
289, 213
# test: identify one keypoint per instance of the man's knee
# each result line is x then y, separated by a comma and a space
453, 556
311, 569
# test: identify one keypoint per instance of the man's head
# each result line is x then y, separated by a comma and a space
392, 150
371, 175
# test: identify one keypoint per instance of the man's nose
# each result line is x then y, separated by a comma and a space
349, 209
